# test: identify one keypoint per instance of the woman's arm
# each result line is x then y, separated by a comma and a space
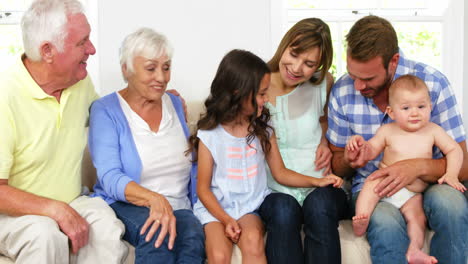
291, 178
323, 154
104, 147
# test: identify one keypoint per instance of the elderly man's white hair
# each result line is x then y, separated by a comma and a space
45, 21
144, 42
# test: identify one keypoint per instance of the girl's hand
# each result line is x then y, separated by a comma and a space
232, 230
323, 157
452, 181
330, 179
160, 216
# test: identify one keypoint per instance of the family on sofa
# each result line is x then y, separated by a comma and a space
269, 154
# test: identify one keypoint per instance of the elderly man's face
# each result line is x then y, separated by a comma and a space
71, 63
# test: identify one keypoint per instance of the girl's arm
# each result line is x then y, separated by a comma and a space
291, 178
206, 196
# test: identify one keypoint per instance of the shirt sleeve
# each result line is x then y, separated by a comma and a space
204, 136
105, 152
445, 111
338, 125
7, 132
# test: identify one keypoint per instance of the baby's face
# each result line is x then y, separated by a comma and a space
411, 110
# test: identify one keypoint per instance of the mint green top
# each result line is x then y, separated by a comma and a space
296, 121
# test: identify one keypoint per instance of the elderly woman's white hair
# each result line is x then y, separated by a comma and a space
45, 21
144, 42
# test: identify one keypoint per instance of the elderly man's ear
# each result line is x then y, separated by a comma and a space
47, 52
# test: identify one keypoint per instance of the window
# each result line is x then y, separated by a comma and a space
428, 30
10, 31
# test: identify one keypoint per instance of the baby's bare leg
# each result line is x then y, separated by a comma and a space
418, 186
365, 205
413, 212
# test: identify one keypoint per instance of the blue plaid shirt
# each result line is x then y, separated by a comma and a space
350, 113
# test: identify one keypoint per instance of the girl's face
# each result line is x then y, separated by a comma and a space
297, 68
261, 98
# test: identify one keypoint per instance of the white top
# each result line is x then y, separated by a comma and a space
165, 168
239, 180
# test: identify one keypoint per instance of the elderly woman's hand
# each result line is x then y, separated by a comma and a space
160, 216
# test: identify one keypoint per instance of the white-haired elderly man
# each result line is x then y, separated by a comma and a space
44, 101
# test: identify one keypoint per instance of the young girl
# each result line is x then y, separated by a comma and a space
233, 141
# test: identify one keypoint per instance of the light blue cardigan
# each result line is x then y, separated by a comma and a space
114, 152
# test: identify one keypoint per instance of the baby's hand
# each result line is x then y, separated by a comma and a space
355, 143
232, 230
331, 179
452, 181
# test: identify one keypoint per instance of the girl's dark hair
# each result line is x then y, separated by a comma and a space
238, 78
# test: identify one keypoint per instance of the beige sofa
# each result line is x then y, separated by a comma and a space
353, 249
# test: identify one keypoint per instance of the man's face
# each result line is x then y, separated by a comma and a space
71, 63
370, 77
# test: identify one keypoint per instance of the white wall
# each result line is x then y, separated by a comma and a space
465, 68
200, 31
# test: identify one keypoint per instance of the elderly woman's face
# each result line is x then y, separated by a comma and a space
150, 76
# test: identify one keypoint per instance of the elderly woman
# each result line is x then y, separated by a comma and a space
137, 142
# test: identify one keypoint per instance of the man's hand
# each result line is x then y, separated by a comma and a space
176, 93
72, 224
396, 176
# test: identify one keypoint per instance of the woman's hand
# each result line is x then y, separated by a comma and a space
232, 230
323, 157
160, 216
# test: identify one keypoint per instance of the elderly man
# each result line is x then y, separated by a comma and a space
44, 102
357, 107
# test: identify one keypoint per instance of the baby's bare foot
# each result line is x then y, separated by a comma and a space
417, 256
360, 223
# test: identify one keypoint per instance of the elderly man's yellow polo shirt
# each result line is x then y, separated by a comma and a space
42, 140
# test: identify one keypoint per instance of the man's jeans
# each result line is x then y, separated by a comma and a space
320, 213
189, 244
446, 210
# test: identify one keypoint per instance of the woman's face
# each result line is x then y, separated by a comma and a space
150, 76
297, 68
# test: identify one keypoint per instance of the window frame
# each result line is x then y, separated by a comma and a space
452, 28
